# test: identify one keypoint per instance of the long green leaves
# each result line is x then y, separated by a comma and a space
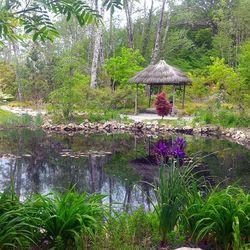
223, 217
176, 186
67, 218
63, 220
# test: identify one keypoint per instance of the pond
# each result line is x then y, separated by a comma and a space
40, 162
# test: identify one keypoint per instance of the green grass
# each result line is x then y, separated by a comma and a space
223, 117
11, 120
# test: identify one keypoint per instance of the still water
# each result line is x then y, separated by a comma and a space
38, 162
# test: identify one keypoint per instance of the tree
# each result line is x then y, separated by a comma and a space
122, 68
155, 52
163, 107
128, 5
35, 18
146, 38
245, 62
96, 52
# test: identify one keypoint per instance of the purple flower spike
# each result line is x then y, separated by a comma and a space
164, 150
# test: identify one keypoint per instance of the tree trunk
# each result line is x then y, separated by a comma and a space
111, 41
166, 31
156, 49
147, 30
128, 12
96, 52
18, 80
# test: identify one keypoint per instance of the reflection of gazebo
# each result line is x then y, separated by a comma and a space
160, 74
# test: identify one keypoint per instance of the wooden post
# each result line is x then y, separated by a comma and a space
136, 100
183, 96
149, 101
173, 107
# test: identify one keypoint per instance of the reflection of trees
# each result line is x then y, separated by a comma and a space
41, 167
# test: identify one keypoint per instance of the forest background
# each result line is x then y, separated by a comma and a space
87, 67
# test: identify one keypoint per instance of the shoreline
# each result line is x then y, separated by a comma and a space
236, 135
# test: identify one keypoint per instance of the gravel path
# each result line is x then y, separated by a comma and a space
145, 117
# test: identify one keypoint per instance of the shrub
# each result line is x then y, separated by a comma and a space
163, 107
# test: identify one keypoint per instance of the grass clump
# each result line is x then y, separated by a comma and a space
124, 231
68, 220
222, 218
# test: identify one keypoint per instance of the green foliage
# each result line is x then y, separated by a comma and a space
64, 99
138, 230
16, 227
76, 96
223, 117
222, 217
7, 79
10, 120
198, 89
35, 19
122, 68
7, 118
244, 63
67, 219
221, 81
175, 186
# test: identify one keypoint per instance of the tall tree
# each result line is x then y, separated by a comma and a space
18, 78
97, 50
128, 5
147, 30
155, 52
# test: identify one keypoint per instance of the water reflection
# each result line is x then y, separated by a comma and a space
99, 163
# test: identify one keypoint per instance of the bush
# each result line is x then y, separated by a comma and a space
163, 107
77, 96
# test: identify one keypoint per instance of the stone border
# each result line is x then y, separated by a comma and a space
240, 136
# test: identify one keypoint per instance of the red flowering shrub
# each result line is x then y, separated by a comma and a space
163, 107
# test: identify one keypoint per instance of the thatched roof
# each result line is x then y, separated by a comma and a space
161, 74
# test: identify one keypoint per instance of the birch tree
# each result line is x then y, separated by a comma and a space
97, 49
147, 30
128, 5
155, 52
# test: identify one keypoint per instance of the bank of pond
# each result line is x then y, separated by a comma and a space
120, 191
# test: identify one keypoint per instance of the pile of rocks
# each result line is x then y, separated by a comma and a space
149, 128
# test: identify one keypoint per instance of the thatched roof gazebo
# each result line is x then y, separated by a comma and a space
160, 74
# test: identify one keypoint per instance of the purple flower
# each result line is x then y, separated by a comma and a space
164, 150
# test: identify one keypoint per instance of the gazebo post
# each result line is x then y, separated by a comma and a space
183, 96
136, 100
173, 107
149, 101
